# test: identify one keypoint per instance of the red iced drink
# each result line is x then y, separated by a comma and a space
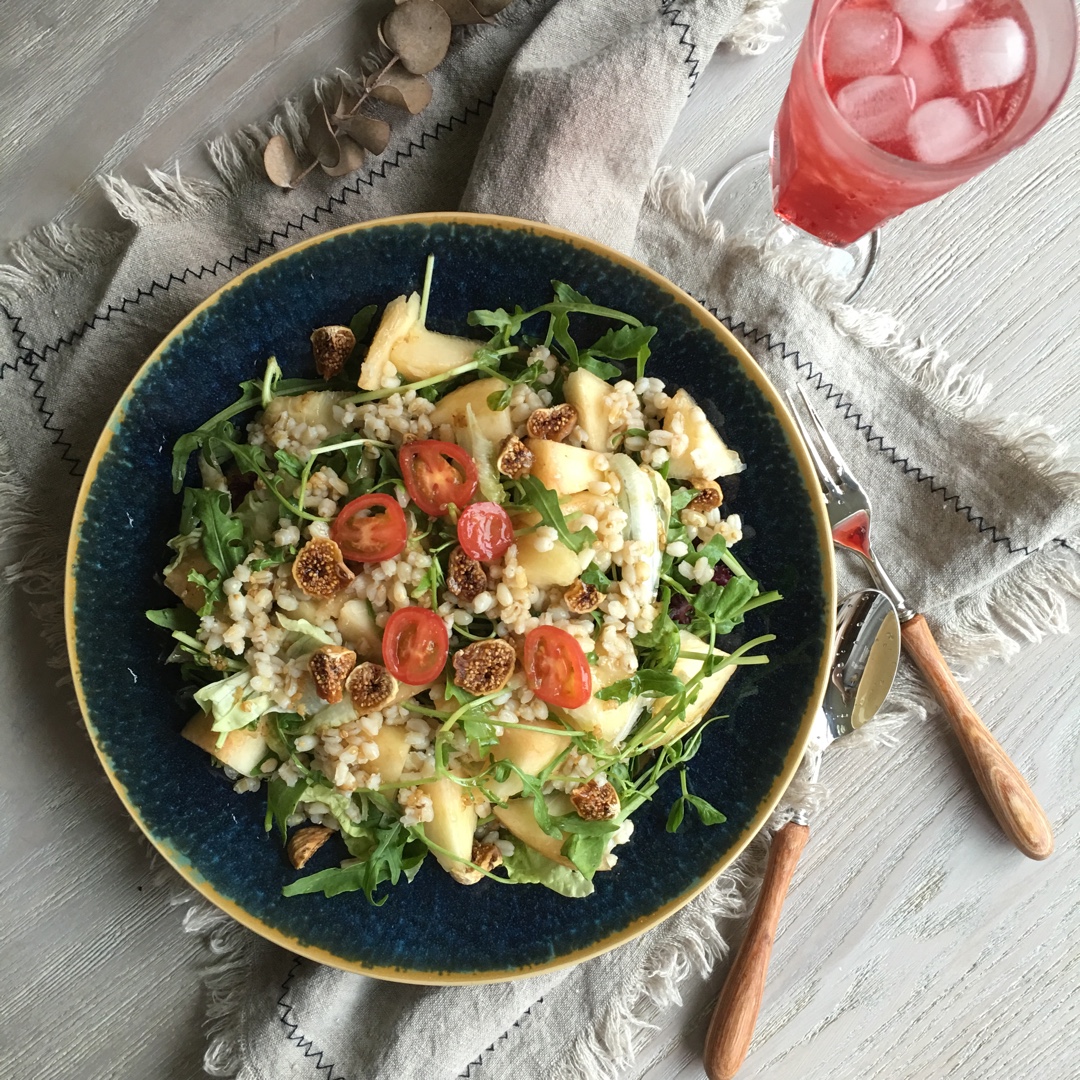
894, 102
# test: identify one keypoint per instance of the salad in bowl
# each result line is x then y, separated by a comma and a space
461, 598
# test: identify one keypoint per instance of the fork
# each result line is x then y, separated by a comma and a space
1010, 798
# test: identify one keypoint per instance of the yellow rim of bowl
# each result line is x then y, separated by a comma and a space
791, 761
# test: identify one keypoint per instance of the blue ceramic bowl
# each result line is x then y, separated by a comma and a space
433, 930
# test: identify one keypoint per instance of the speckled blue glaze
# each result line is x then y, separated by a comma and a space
432, 926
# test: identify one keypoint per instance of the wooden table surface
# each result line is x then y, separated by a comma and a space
916, 943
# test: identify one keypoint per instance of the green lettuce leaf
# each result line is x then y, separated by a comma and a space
529, 867
338, 803
234, 706
308, 637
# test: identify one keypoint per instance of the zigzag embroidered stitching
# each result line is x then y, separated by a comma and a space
309, 1047
668, 10
19, 334
47, 422
506, 1034
32, 357
301, 1043
817, 378
266, 242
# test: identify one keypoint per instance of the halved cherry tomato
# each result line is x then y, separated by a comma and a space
556, 669
437, 474
370, 537
414, 645
484, 531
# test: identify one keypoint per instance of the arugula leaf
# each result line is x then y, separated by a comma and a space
275, 557
592, 575
250, 396
716, 550
662, 626
568, 301
500, 399
282, 730
532, 785
258, 513
502, 322
175, 618
289, 463
281, 803
566, 295
395, 852
647, 682
560, 331
223, 535
453, 692
626, 343
212, 591
546, 503
479, 729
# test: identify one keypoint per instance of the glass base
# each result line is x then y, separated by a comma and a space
742, 200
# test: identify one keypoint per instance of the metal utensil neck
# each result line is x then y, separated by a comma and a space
888, 587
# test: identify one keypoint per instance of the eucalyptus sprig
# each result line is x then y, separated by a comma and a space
416, 35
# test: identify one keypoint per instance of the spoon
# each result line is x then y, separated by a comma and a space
865, 657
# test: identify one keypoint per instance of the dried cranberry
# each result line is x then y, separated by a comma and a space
680, 609
721, 575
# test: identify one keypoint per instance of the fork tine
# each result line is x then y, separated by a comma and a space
823, 435
825, 475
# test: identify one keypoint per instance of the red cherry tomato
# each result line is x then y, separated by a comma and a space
437, 474
370, 537
484, 531
556, 669
414, 645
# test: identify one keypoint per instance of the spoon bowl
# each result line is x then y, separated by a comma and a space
866, 656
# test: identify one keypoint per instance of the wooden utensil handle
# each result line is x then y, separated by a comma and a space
736, 1012
1014, 805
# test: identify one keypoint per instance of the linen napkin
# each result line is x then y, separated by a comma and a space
559, 113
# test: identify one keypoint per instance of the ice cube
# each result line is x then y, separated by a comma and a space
928, 19
987, 55
918, 63
861, 41
877, 107
943, 130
